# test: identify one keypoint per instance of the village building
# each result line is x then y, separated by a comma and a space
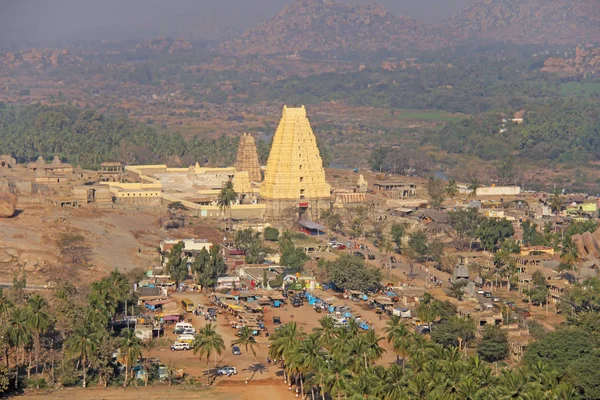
395, 189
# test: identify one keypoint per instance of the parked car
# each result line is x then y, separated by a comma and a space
276, 320
371, 256
358, 254
496, 299
340, 247
191, 331
178, 346
487, 294
227, 371
480, 291
393, 259
235, 350
296, 303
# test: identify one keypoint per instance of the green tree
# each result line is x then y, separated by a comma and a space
436, 191
351, 273
177, 264
418, 243
494, 344
294, 258
473, 186
397, 231
38, 320
492, 232
130, 350
271, 234
207, 342
19, 335
453, 331
246, 339
451, 189
538, 291
555, 202
227, 197
82, 344
465, 222
457, 289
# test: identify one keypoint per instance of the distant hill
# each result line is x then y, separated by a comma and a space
328, 28
527, 21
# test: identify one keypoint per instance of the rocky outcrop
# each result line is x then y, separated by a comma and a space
585, 63
8, 202
527, 22
39, 59
331, 29
588, 244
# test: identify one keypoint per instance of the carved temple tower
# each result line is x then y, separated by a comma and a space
247, 158
294, 179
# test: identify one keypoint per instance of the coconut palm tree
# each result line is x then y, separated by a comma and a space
451, 189
326, 330
397, 335
336, 378
246, 339
226, 199
130, 350
82, 343
473, 186
555, 202
5, 308
19, 335
309, 357
38, 320
207, 342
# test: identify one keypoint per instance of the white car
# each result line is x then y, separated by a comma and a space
190, 331
227, 371
180, 346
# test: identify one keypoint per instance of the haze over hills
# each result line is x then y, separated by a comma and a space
527, 21
328, 27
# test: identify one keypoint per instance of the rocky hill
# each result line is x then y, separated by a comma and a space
39, 59
585, 63
328, 28
527, 21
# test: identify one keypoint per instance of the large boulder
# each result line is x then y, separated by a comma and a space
8, 202
577, 240
590, 245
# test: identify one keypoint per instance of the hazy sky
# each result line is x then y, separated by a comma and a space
29, 22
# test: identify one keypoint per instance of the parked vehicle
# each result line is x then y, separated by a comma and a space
227, 371
393, 259
358, 254
178, 346
235, 350
191, 331
186, 338
276, 320
182, 326
371, 256
487, 294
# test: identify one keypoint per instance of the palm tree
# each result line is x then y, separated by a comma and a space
38, 321
326, 330
226, 199
397, 334
19, 335
387, 246
246, 339
451, 189
285, 240
130, 350
82, 343
5, 307
555, 202
336, 377
309, 357
207, 342
473, 186
395, 384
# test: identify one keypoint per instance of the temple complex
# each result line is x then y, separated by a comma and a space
294, 177
247, 158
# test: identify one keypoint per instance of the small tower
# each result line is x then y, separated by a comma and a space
247, 158
362, 184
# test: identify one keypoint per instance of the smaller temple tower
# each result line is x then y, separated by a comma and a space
247, 158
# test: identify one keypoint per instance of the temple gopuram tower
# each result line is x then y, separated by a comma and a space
294, 178
247, 158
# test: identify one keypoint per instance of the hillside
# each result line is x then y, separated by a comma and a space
527, 21
327, 28
585, 63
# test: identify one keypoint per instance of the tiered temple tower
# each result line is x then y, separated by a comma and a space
247, 158
294, 178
